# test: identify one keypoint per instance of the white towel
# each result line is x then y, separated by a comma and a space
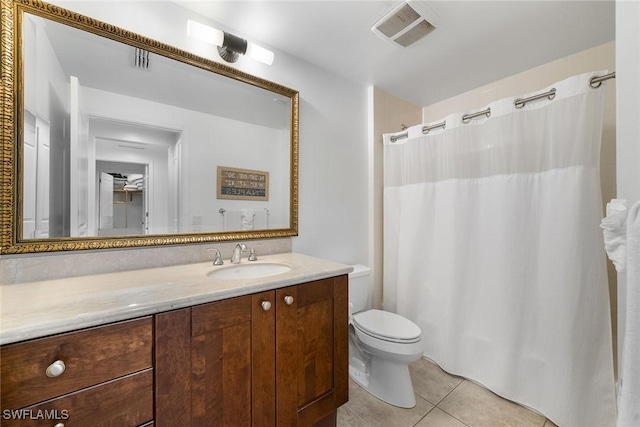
248, 218
629, 402
134, 177
615, 234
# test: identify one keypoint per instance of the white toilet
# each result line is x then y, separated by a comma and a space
381, 345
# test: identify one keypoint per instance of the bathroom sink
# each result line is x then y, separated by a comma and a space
249, 271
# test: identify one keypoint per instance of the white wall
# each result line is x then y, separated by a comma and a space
214, 141
44, 76
207, 142
47, 96
628, 125
628, 106
333, 130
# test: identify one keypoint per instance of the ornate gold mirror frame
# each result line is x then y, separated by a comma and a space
11, 177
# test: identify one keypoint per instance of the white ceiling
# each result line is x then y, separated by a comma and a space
475, 42
104, 64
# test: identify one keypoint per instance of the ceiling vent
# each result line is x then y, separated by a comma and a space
141, 58
403, 25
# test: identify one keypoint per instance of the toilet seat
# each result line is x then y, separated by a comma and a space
387, 326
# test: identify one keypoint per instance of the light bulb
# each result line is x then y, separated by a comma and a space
204, 33
259, 53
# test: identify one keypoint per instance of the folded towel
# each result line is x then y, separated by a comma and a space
615, 233
132, 178
629, 409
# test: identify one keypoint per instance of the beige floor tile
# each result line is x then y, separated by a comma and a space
549, 423
439, 418
376, 413
478, 407
346, 418
431, 382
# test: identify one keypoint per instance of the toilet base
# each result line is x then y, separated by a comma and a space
387, 380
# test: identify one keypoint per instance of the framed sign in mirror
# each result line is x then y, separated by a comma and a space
242, 184
102, 150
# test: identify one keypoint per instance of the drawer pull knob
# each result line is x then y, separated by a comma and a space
266, 305
56, 369
288, 300
59, 425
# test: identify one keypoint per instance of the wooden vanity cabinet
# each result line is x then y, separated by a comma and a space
277, 358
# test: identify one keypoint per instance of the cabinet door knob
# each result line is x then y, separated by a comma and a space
59, 425
266, 305
56, 369
288, 300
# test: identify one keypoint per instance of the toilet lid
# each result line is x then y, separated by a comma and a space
387, 326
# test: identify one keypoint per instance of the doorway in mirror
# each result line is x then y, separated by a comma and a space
144, 162
123, 195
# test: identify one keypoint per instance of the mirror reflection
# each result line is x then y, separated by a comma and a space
120, 141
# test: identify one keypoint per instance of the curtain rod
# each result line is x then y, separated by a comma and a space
521, 102
425, 130
595, 82
467, 117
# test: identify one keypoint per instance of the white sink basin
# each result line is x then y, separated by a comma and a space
248, 271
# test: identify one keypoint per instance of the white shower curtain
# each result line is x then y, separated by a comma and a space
492, 246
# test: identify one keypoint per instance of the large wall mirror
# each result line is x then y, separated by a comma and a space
114, 140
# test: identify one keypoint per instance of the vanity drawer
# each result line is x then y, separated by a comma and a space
127, 401
87, 358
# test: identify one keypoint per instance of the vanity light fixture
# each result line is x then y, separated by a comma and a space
230, 47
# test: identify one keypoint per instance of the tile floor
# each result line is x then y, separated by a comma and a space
443, 400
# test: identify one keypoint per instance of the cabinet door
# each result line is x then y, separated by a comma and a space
263, 342
232, 362
312, 351
172, 368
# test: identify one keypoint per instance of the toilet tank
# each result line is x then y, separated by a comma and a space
360, 282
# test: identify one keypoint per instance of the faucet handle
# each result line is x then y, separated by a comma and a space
252, 255
218, 259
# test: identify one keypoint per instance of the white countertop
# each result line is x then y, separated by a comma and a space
37, 309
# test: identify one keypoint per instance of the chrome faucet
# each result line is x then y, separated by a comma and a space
218, 259
236, 257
